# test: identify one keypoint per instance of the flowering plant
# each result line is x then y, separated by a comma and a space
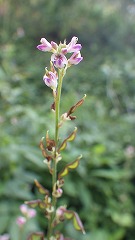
52, 148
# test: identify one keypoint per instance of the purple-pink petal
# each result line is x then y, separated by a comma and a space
76, 48
41, 47
45, 46
59, 60
72, 46
64, 50
31, 213
50, 80
4, 237
54, 45
20, 221
24, 208
75, 58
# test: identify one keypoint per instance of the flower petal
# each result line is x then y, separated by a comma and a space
72, 46
75, 58
45, 46
50, 79
59, 60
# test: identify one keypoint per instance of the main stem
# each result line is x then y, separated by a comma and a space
54, 175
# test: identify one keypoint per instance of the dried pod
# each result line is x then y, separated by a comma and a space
50, 144
68, 214
41, 189
78, 104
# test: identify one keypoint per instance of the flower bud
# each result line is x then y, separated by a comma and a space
57, 193
50, 79
60, 212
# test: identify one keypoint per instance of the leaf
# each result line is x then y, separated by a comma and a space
115, 174
70, 138
69, 166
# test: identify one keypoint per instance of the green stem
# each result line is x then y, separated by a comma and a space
54, 176
21, 233
57, 124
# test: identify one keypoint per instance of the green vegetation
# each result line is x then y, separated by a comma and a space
102, 189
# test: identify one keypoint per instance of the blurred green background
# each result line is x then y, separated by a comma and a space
102, 189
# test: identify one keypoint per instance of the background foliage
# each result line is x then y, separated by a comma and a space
102, 189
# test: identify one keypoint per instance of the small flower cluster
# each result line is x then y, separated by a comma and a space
4, 237
130, 151
59, 59
27, 214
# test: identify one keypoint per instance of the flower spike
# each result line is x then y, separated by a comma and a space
63, 56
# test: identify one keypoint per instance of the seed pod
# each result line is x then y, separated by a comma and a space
69, 166
70, 138
41, 189
68, 214
78, 104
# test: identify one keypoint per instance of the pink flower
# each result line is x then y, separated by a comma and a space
60, 211
24, 209
72, 46
54, 45
50, 79
75, 58
4, 237
59, 192
28, 212
31, 213
58, 57
45, 46
59, 60
20, 221
130, 151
